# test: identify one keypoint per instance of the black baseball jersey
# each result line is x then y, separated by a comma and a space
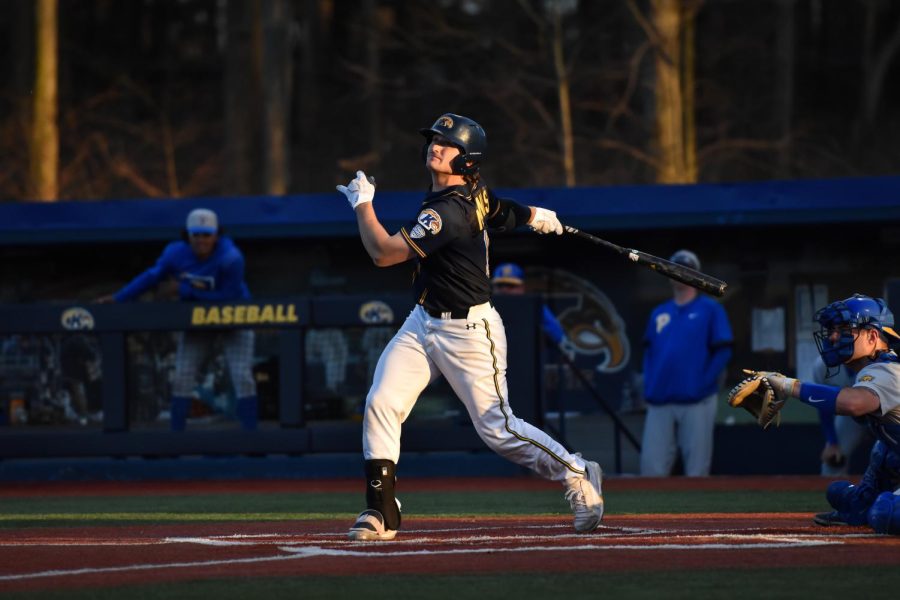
450, 237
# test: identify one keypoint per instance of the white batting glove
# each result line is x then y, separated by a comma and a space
359, 191
545, 221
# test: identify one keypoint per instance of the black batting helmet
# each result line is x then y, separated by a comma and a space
464, 133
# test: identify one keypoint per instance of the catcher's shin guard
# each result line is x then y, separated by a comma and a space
882, 475
380, 479
884, 516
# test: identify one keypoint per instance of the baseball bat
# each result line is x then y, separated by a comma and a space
681, 273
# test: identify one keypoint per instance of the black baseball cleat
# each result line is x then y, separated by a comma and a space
830, 519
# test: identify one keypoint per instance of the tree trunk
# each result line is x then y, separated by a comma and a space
276, 70
785, 42
242, 97
875, 63
44, 148
565, 103
673, 26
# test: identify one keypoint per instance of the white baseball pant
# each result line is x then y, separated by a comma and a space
471, 354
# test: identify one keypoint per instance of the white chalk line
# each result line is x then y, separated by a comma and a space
423, 536
299, 549
294, 553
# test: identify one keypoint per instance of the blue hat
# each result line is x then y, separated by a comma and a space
202, 220
686, 258
510, 273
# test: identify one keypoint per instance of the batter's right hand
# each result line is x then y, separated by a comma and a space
545, 221
359, 191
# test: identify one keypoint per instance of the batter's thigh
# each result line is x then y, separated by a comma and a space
402, 372
472, 357
658, 444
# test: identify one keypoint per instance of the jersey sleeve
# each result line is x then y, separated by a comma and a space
883, 379
436, 225
149, 278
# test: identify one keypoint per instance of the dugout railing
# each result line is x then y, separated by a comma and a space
291, 318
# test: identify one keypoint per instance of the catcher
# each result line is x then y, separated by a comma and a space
855, 332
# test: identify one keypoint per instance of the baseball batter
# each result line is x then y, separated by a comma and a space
208, 267
854, 332
454, 329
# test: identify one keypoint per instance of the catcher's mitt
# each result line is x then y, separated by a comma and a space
757, 396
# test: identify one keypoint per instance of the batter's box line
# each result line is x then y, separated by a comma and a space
313, 551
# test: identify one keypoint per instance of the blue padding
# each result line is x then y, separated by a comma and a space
884, 516
615, 207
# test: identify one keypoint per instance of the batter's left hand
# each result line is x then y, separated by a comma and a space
359, 191
545, 221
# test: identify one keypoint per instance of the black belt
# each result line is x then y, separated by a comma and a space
456, 313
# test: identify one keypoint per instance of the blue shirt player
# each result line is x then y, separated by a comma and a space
687, 345
207, 267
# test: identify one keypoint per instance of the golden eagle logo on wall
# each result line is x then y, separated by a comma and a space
590, 319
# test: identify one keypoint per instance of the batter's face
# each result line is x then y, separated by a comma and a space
203, 244
866, 341
440, 154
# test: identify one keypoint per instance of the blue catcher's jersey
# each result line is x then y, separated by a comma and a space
882, 377
219, 277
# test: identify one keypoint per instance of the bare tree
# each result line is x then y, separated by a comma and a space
44, 147
276, 84
876, 60
242, 81
672, 31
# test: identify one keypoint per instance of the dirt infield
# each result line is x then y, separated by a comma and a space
54, 558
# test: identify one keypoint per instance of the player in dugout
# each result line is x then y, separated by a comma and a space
855, 332
208, 267
454, 329
509, 278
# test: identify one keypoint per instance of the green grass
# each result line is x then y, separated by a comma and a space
126, 510
733, 584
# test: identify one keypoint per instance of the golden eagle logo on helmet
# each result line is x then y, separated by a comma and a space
444, 121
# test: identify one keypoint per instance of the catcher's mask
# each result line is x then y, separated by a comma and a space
856, 312
465, 134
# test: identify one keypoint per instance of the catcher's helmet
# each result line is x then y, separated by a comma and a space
463, 133
857, 312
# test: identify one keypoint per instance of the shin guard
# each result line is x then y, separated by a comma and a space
380, 479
